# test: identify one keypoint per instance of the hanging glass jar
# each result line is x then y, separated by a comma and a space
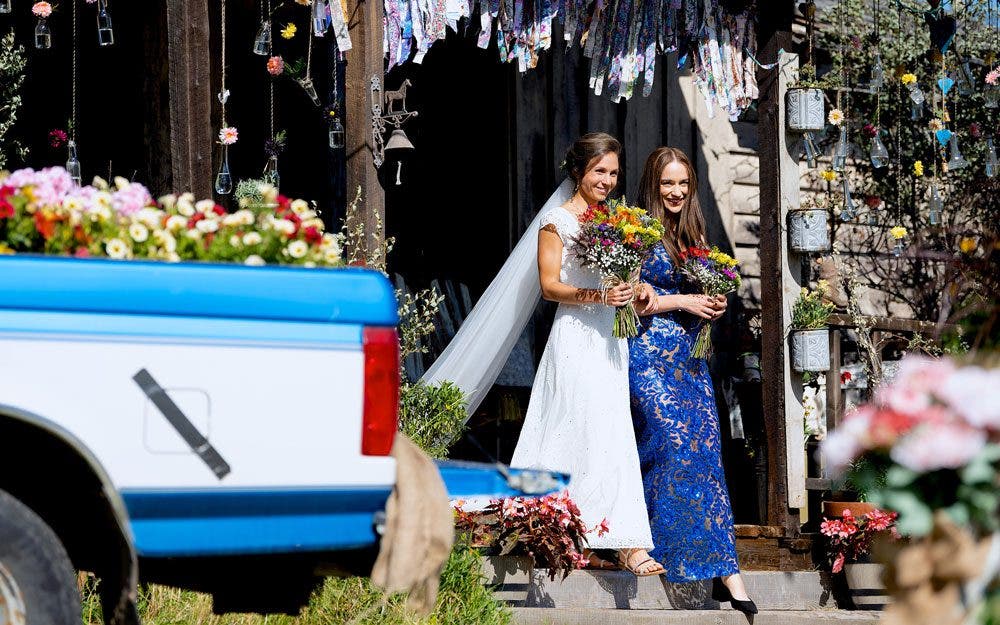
310, 89
848, 212
5, 6
262, 42
105, 34
916, 101
878, 74
336, 135
879, 154
43, 36
224, 179
840, 152
957, 161
991, 158
73, 164
991, 95
934, 206
319, 17
271, 172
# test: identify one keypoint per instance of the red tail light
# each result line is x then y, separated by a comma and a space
381, 348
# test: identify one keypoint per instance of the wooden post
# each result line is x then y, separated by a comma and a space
363, 61
775, 33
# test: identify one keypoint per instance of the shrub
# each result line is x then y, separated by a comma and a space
432, 416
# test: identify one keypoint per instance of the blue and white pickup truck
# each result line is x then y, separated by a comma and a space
215, 427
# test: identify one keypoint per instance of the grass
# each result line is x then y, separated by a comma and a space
463, 599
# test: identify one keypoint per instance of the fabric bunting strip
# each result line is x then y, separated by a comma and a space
622, 39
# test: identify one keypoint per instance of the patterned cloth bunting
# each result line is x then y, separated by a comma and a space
621, 37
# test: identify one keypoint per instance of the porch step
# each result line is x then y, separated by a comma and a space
582, 616
520, 586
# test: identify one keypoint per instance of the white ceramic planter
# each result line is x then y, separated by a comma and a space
866, 587
806, 110
808, 230
811, 350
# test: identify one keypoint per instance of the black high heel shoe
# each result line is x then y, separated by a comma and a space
721, 594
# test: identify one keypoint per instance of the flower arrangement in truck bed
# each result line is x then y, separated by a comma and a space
615, 238
44, 212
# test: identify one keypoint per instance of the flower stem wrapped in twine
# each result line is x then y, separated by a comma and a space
626, 318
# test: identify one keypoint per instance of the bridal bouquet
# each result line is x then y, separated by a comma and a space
715, 273
615, 238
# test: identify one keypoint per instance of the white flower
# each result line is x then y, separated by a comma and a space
310, 214
254, 260
299, 207
121, 182
116, 248
309, 264
205, 206
138, 232
100, 183
149, 217
314, 223
331, 256
974, 393
73, 204
100, 213
267, 192
284, 226
193, 234
843, 445
207, 225
165, 240
176, 223
168, 200
173, 257
297, 249
187, 196
103, 199
252, 238
235, 240
185, 207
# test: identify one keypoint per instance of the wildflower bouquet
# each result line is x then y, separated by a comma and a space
851, 537
615, 238
934, 433
715, 273
45, 212
549, 529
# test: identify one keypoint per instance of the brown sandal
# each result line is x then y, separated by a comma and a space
635, 569
597, 563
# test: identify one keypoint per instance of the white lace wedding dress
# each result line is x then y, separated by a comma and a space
579, 420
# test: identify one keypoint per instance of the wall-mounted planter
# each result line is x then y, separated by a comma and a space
806, 110
811, 350
808, 230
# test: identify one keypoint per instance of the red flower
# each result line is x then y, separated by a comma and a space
313, 235
81, 252
57, 138
872, 201
195, 219
6, 208
44, 225
845, 377
870, 130
283, 201
218, 210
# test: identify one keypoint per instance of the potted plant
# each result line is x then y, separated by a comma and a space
808, 229
806, 105
849, 545
810, 335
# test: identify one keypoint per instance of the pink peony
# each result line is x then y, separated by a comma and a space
930, 447
41, 9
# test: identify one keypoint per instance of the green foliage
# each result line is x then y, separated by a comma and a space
463, 599
810, 311
12, 65
416, 319
248, 192
433, 417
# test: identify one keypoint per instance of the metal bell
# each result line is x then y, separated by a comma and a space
398, 141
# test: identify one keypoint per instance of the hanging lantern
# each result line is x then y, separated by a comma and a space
840, 152
879, 154
935, 206
957, 161
336, 134
991, 158
5, 6
73, 164
262, 42
105, 34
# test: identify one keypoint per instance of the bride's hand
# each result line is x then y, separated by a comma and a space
704, 306
620, 295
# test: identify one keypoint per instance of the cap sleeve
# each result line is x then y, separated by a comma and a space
560, 220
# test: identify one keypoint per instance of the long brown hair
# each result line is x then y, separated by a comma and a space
684, 229
585, 149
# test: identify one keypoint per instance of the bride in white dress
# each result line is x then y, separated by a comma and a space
578, 418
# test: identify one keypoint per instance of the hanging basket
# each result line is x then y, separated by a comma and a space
806, 110
808, 230
811, 350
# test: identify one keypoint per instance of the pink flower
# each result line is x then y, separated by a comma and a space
993, 76
838, 563
57, 138
938, 446
843, 445
41, 9
228, 135
275, 65
974, 394
602, 528
879, 521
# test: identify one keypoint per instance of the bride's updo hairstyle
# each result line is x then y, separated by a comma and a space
585, 149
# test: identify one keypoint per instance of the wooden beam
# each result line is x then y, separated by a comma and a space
775, 33
363, 62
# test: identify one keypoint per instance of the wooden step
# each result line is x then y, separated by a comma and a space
521, 586
580, 616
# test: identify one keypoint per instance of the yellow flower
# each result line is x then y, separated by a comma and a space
836, 117
918, 168
5, 250
967, 245
289, 31
908, 79
898, 232
829, 175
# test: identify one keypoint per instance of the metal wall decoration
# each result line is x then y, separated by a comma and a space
384, 115
811, 350
808, 231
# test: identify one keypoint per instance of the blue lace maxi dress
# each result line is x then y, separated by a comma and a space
677, 431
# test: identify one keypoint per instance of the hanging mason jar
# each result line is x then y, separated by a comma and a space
5, 6
73, 164
336, 135
879, 155
271, 172
262, 42
224, 180
991, 158
840, 152
105, 34
43, 36
319, 17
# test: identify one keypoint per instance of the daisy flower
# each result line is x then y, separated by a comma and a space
836, 117
228, 135
254, 261
908, 79
138, 232
116, 248
935, 124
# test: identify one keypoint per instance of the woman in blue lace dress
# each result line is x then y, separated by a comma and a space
673, 403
